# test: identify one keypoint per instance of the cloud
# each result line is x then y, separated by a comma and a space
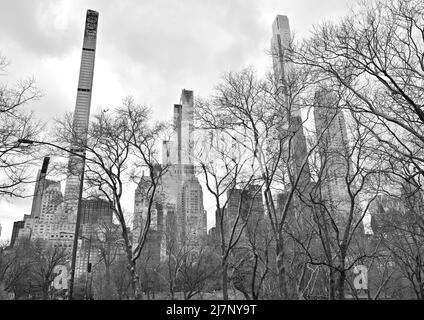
40, 27
164, 46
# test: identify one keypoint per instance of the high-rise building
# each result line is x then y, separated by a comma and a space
53, 216
47, 202
39, 189
182, 188
178, 217
245, 209
43, 224
292, 122
295, 152
187, 126
81, 115
280, 43
193, 215
154, 243
44, 221
96, 222
330, 126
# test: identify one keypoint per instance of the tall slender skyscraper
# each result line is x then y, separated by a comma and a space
182, 145
187, 125
280, 43
190, 217
179, 218
81, 114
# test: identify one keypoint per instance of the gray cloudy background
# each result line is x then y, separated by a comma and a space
149, 49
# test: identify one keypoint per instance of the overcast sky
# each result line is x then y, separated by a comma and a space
149, 49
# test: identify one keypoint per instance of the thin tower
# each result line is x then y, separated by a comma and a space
280, 43
81, 114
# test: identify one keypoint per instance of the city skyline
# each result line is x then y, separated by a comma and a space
178, 219
291, 171
70, 28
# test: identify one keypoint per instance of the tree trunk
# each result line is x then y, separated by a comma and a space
281, 269
108, 293
171, 287
46, 291
340, 285
225, 280
134, 276
131, 263
332, 285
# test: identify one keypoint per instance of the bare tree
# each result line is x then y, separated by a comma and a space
121, 278
263, 117
108, 243
375, 53
170, 269
197, 268
120, 145
228, 175
15, 266
348, 179
398, 223
44, 259
16, 123
253, 268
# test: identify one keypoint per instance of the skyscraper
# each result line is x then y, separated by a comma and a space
280, 43
141, 205
330, 124
190, 216
47, 202
292, 122
187, 125
193, 215
178, 217
39, 189
81, 114
247, 206
51, 218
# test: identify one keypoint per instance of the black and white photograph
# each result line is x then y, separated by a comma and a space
212, 155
